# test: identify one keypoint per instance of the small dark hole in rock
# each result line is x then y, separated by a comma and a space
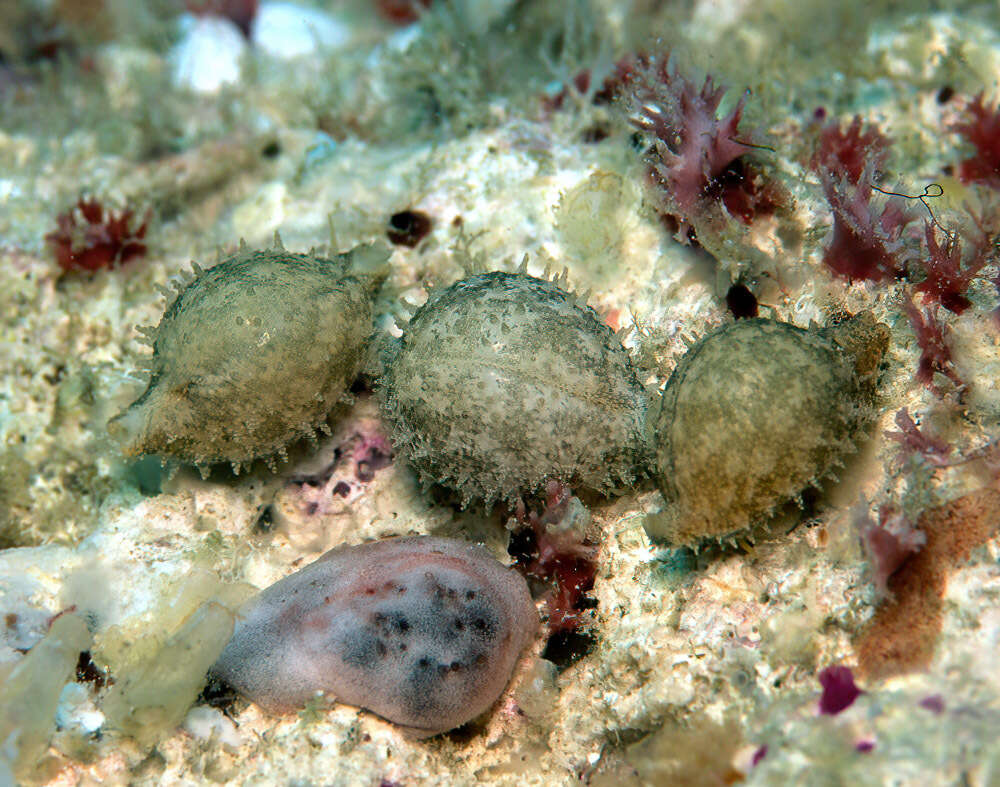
565, 648
409, 227
523, 545
218, 694
810, 501
265, 520
595, 134
741, 302
271, 150
88, 672
466, 733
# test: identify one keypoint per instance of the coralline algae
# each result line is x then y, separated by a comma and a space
253, 354
755, 412
504, 381
423, 631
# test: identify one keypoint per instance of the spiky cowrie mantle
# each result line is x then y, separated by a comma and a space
252, 354
754, 413
503, 381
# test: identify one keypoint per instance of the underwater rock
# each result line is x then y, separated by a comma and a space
422, 631
252, 355
208, 55
753, 414
504, 381
289, 30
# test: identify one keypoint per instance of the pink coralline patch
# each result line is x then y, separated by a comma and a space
745, 192
934, 703
847, 153
579, 84
623, 74
401, 12
558, 557
866, 244
362, 453
995, 314
839, 690
981, 129
916, 442
88, 237
372, 453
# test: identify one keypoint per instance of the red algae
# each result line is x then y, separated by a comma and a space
90, 237
558, 557
981, 128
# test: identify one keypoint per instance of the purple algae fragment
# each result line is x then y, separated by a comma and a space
759, 755
839, 690
864, 747
934, 703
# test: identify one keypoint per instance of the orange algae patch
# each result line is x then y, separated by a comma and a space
902, 636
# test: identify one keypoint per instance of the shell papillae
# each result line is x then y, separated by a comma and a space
754, 413
503, 381
253, 354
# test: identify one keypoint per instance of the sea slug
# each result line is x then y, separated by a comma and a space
422, 631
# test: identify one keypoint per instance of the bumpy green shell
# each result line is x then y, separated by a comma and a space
502, 381
251, 355
753, 414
